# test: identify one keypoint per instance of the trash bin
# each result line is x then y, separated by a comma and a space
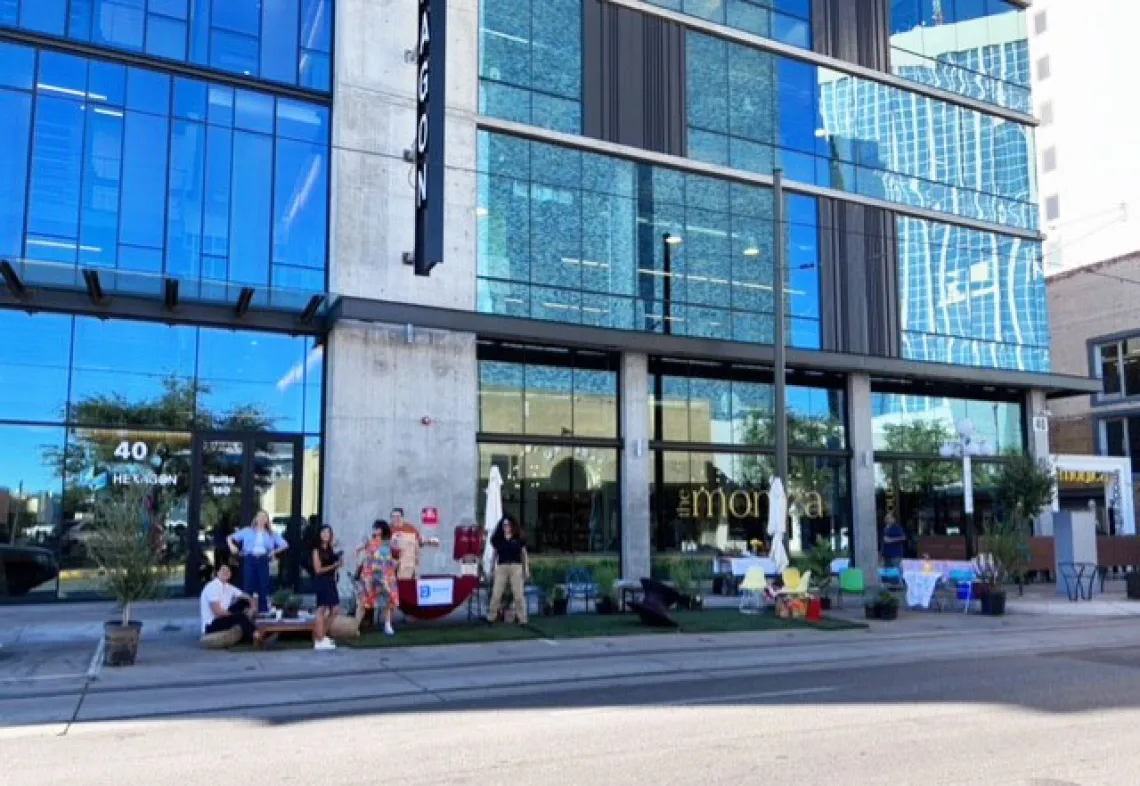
1132, 584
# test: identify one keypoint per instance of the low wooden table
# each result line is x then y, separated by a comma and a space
273, 627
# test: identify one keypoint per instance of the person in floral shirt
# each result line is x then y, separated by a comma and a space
377, 578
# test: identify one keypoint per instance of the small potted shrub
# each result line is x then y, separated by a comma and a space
886, 606
128, 554
606, 576
681, 574
558, 600
280, 599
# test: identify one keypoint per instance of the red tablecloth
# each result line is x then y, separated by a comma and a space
462, 587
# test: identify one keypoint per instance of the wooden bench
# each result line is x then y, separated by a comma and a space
274, 627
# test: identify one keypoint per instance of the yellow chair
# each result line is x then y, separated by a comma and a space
752, 591
791, 577
799, 588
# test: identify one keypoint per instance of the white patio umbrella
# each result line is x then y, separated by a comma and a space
777, 518
492, 516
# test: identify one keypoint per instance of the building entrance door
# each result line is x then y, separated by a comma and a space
234, 476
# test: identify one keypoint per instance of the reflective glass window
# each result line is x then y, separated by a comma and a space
251, 381
31, 508
754, 110
132, 374
922, 425
34, 362
126, 168
977, 48
575, 237
283, 41
971, 298
530, 65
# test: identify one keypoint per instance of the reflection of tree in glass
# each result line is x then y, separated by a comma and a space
923, 438
89, 462
804, 474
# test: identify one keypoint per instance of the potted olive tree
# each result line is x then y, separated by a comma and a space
125, 549
1023, 489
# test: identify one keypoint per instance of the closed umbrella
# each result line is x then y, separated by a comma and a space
777, 516
492, 516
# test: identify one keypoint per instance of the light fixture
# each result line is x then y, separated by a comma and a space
673, 240
752, 251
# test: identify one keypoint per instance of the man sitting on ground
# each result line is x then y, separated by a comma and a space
223, 606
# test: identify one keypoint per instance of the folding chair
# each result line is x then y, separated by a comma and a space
752, 591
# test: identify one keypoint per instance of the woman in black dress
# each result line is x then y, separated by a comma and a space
326, 562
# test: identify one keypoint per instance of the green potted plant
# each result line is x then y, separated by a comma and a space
127, 551
606, 576
681, 574
558, 600
280, 599
818, 561
886, 606
1023, 489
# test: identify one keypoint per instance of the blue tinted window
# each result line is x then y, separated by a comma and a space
574, 237
108, 83
57, 157
971, 298
531, 62
253, 111
752, 110
233, 52
144, 180
34, 356
250, 208
189, 99
44, 16
99, 230
300, 204
280, 28
125, 169
238, 15
148, 91
166, 37
186, 191
284, 41
118, 23
17, 66
16, 109
253, 375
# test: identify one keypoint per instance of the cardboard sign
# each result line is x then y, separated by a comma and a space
434, 592
430, 518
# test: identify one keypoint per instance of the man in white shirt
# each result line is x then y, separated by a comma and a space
218, 610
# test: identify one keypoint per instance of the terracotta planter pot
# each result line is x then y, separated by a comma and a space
121, 643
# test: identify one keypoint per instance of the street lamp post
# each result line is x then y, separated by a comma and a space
965, 448
668, 240
779, 339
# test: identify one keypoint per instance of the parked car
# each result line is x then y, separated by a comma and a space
23, 568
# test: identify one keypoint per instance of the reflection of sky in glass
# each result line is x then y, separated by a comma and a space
33, 366
134, 361
999, 424
22, 450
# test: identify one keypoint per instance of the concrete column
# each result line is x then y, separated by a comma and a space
860, 433
636, 466
373, 124
400, 422
1037, 439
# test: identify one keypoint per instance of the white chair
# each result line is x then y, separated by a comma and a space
752, 591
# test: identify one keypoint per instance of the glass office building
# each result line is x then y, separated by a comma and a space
208, 206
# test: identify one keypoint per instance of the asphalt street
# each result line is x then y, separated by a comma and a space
1051, 719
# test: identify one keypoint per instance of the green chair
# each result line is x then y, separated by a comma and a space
851, 582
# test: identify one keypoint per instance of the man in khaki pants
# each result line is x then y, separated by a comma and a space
511, 567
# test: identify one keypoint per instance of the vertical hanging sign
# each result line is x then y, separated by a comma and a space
431, 54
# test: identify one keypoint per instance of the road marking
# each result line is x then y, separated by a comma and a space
96, 660
772, 694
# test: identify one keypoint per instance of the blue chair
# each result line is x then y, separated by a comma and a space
963, 583
579, 587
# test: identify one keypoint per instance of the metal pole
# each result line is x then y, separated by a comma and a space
667, 307
779, 339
